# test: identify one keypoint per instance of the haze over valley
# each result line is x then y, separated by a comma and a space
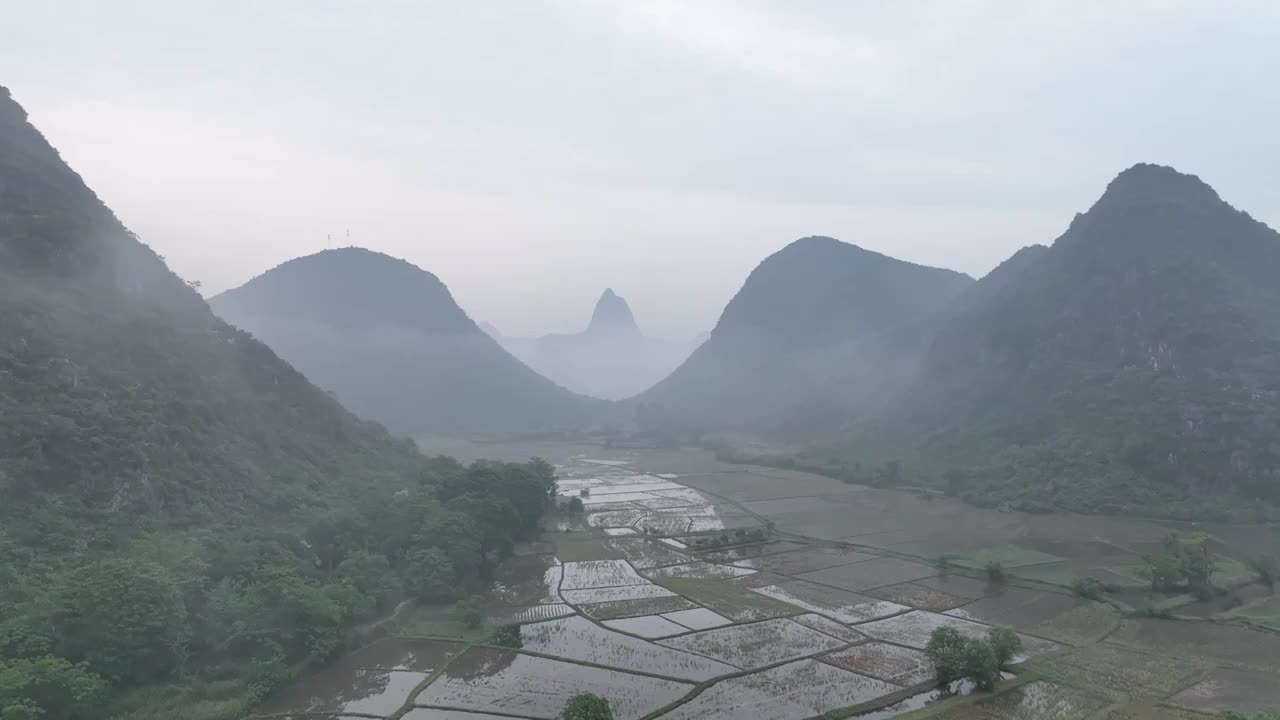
577, 360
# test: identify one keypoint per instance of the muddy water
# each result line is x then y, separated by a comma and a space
375, 680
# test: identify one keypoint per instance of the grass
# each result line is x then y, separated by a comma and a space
1010, 556
436, 621
727, 598
581, 545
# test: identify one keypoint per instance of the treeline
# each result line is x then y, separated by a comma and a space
205, 623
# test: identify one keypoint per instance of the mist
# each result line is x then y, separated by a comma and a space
533, 154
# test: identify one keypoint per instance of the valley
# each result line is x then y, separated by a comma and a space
693, 588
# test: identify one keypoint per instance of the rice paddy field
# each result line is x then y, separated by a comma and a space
691, 588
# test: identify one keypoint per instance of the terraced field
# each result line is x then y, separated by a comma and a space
694, 589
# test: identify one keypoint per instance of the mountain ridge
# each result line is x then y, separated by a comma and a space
388, 338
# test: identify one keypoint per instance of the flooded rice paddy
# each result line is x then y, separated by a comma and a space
662, 588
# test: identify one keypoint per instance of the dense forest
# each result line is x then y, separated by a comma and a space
187, 521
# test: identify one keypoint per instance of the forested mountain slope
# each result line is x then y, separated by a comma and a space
1133, 366
817, 332
185, 520
388, 339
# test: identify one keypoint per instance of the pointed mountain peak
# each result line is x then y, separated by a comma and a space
1146, 183
612, 315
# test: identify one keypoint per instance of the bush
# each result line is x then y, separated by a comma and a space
586, 706
575, 506
1087, 587
507, 636
1005, 643
471, 611
996, 572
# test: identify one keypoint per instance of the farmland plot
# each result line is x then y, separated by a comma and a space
913, 629
577, 638
599, 573
1240, 690
807, 560
647, 626
830, 627
528, 614
891, 663
612, 610
644, 554
794, 691
700, 569
488, 680
846, 607
697, 619
870, 574
918, 596
729, 599
1043, 700
1016, 606
757, 644
625, 517
615, 594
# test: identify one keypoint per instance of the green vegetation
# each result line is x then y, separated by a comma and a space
1185, 563
978, 660
737, 537
586, 706
1088, 588
508, 636
996, 573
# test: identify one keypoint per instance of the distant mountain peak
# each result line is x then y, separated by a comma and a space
1147, 183
612, 315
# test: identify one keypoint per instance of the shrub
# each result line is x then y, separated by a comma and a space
1088, 587
996, 572
585, 706
507, 636
1005, 643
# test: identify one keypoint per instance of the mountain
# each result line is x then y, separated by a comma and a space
1134, 366
143, 440
120, 392
390, 342
819, 330
610, 359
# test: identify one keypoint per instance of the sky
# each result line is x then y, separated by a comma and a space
533, 152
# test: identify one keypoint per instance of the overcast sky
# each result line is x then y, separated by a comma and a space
533, 152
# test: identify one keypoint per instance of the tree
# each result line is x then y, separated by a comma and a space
49, 687
371, 575
124, 617
1005, 643
585, 706
980, 664
471, 611
996, 572
575, 506
1088, 587
946, 650
431, 575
